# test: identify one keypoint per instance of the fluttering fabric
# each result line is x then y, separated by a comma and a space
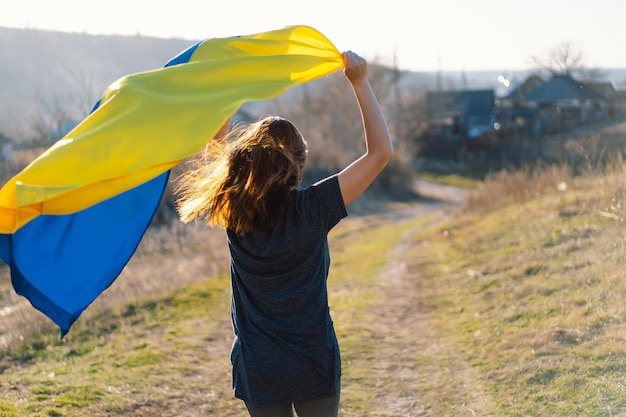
72, 219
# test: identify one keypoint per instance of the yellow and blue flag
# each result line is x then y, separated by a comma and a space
71, 220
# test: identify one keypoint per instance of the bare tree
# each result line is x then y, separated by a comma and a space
48, 122
561, 59
84, 90
566, 58
57, 114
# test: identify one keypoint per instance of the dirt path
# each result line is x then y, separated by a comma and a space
419, 371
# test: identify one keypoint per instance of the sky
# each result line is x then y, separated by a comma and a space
418, 35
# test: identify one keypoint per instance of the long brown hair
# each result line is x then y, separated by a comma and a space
247, 181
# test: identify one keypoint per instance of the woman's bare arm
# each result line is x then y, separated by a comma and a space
356, 177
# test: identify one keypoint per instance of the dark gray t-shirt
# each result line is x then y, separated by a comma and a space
285, 348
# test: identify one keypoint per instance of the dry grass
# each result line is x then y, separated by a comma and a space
542, 313
509, 312
512, 307
503, 188
169, 257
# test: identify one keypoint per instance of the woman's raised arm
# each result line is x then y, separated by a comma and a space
356, 177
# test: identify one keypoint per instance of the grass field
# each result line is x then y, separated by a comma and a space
513, 306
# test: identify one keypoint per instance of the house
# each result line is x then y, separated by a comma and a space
519, 90
514, 114
562, 102
536, 106
461, 114
609, 95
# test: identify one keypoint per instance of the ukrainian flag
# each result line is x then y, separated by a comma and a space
71, 220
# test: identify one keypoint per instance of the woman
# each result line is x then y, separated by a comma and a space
285, 353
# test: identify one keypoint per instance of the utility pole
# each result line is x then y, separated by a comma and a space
439, 81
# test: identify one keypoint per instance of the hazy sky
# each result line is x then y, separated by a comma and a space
424, 35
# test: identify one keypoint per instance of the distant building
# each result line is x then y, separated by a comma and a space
535, 106
518, 91
461, 114
563, 102
477, 125
514, 114
609, 96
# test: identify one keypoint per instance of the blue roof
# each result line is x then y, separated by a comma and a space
562, 87
469, 102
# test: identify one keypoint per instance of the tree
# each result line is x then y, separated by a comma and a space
84, 90
49, 122
566, 59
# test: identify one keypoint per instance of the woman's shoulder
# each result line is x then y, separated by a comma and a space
320, 190
321, 200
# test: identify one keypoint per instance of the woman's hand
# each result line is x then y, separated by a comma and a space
355, 67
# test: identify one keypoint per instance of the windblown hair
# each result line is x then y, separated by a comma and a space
245, 182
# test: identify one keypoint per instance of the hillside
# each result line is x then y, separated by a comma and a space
512, 306
43, 71
46, 75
